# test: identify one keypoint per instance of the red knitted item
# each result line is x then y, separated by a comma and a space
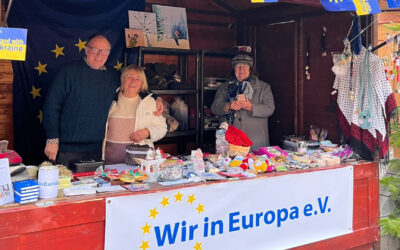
237, 137
13, 157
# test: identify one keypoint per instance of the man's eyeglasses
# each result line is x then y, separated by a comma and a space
103, 52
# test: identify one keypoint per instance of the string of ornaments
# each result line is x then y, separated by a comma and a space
307, 67
308, 54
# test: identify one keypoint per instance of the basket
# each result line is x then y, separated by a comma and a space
237, 150
135, 151
328, 148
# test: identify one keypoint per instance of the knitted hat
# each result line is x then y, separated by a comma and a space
242, 59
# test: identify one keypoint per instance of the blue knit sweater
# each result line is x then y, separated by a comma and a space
77, 105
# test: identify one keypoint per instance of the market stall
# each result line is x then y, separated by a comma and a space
314, 194
80, 222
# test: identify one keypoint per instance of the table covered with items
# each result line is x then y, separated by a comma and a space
316, 197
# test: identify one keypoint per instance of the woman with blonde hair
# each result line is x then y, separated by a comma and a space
131, 119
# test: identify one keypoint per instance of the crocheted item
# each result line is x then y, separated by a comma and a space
365, 141
237, 137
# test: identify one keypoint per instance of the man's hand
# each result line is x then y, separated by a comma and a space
139, 135
51, 151
159, 106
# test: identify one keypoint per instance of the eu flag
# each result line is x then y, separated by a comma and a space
57, 34
362, 7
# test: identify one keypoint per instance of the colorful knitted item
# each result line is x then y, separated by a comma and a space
237, 137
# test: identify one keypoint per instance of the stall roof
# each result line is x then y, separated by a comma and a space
244, 5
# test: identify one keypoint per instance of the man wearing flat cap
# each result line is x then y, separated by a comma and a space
246, 102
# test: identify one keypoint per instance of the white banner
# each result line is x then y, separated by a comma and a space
265, 213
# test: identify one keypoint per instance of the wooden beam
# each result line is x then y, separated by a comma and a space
225, 6
315, 3
198, 22
274, 14
299, 80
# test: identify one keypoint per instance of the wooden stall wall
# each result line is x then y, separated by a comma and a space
318, 108
276, 65
6, 102
211, 27
391, 17
6, 98
281, 60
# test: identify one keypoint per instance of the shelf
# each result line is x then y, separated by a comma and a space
173, 91
219, 53
167, 51
180, 133
208, 89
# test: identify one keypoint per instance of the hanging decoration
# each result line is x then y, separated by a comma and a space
307, 67
323, 41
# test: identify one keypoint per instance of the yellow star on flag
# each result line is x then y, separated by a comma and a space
118, 66
35, 92
146, 228
58, 51
40, 116
145, 245
165, 201
200, 208
81, 45
191, 199
153, 213
197, 246
178, 197
41, 68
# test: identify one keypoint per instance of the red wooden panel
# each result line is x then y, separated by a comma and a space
373, 201
364, 237
365, 170
85, 236
360, 204
37, 219
10, 242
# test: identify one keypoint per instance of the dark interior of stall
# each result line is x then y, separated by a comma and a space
280, 35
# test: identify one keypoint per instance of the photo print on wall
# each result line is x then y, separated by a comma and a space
142, 29
172, 29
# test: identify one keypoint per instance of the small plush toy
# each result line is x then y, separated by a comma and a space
226, 162
260, 166
244, 166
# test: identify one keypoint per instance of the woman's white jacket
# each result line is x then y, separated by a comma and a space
144, 119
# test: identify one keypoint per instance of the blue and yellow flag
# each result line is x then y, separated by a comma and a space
393, 4
264, 1
57, 34
12, 44
362, 7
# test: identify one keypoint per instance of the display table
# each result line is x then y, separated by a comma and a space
79, 222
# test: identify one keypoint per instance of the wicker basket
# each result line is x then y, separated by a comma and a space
237, 150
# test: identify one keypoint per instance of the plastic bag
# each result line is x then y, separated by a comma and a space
179, 110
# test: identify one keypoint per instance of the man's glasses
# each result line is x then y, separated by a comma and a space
103, 52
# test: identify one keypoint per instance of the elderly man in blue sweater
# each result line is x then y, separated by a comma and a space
77, 105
